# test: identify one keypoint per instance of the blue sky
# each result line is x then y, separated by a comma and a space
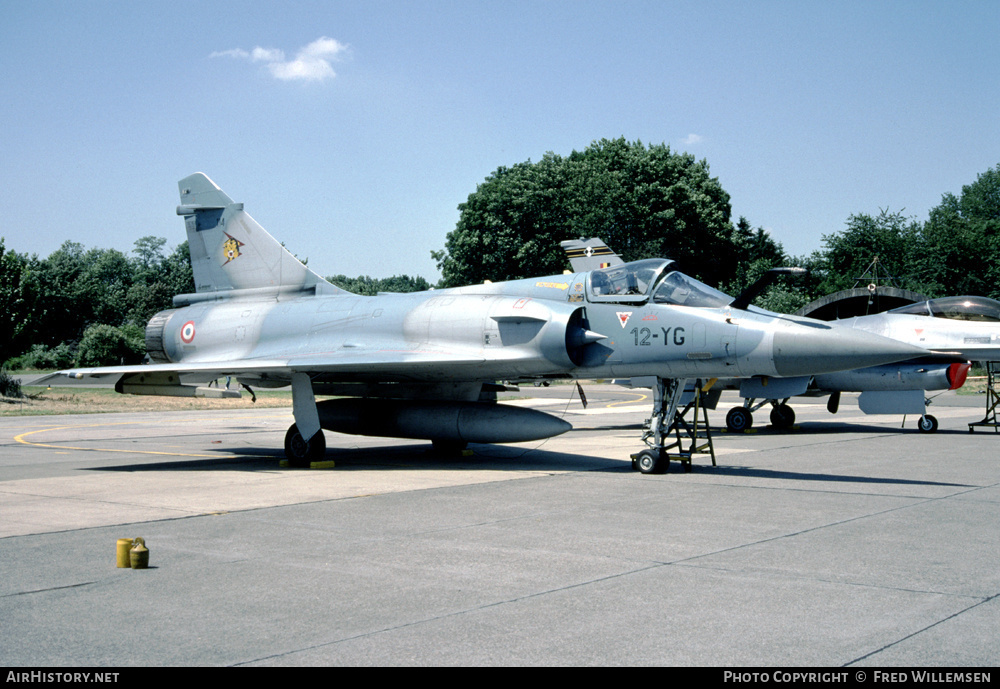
352, 130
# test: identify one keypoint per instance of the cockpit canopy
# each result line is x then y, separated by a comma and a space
955, 308
653, 278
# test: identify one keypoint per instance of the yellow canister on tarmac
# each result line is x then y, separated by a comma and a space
139, 555
122, 558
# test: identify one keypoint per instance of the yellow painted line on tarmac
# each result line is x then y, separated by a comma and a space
640, 397
22, 439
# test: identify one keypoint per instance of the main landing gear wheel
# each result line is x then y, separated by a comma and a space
739, 419
300, 452
651, 462
927, 424
782, 416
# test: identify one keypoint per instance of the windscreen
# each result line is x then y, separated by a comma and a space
956, 308
681, 290
627, 282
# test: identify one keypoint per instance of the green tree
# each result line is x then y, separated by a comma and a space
177, 274
20, 294
81, 287
981, 199
104, 284
9, 385
960, 243
66, 309
641, 200
51, 302
891, 238
41, 357
108, 345
756, 252
370, 286
156, 280
149, 250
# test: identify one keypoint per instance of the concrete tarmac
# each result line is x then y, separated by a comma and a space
847, 541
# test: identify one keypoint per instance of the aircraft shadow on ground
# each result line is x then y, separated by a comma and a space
408, 458
753, 472
636, 427
840, 427
485, 457
802, 428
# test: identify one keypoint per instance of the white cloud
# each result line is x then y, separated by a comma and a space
692, 139
235, 52
267, 54
304, 69
324, 46
311, 63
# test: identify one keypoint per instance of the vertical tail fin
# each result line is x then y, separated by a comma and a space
589, 254
230, 251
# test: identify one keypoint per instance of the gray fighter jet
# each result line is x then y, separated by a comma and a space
428, 365
967, 329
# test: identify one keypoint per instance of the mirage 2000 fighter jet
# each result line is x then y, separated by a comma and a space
428, 365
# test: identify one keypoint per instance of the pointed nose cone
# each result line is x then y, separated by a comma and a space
826, 348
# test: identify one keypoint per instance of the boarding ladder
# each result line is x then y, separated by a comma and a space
992, 398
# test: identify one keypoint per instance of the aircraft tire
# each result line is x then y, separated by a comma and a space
782, 416
927, 424
739, 419
651, 462
301, 453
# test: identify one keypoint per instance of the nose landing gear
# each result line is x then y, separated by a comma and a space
670, 433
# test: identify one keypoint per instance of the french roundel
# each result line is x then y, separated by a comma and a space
187, 332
